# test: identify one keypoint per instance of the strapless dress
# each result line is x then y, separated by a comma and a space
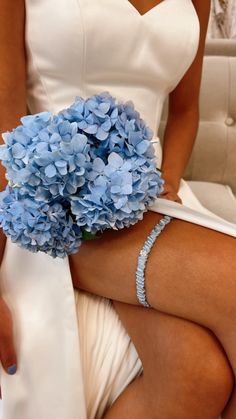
74, 355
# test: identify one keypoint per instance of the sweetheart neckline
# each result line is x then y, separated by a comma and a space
136, 11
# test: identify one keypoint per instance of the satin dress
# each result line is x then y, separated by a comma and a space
74, 355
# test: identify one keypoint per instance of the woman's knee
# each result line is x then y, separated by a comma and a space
184, 363
191, 369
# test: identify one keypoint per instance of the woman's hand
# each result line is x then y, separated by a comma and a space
7, 350
170, 193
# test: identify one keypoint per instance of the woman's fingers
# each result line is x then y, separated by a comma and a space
172, 196
7, 349
169, 192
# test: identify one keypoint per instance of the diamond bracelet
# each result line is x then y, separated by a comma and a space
142, 259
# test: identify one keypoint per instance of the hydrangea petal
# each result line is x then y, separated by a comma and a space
50, 170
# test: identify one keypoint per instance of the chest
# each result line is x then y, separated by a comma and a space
106, 39
143, 6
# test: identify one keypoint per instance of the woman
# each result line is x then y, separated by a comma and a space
145, 66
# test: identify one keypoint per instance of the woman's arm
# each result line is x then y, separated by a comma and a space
183, 115
12, 75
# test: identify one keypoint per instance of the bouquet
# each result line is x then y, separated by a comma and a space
72, 175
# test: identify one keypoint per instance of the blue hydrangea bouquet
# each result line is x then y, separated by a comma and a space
72, 175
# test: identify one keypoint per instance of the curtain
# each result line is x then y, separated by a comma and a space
222, 22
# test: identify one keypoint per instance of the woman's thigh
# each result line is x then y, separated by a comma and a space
182, 361
190, 271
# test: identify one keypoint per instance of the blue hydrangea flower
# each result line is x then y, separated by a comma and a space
50, 162
116, 194
95, 116
38, 226
88, 168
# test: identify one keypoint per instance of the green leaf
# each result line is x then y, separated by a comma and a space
86, 235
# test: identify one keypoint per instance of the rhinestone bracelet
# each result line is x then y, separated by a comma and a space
142, 259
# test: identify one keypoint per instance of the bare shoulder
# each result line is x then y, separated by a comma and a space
180, 99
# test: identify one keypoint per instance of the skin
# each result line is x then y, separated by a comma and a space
171, 338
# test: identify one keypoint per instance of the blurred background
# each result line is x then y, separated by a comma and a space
222, 22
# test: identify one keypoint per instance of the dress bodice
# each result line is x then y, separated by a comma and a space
83, 47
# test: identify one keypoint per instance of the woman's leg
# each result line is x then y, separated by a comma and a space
185, 369
230, 409
191, 273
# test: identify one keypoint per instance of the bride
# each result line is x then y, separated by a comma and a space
90, 336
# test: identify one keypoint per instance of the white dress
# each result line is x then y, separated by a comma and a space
74, 355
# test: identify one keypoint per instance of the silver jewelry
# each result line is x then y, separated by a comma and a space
142, 259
